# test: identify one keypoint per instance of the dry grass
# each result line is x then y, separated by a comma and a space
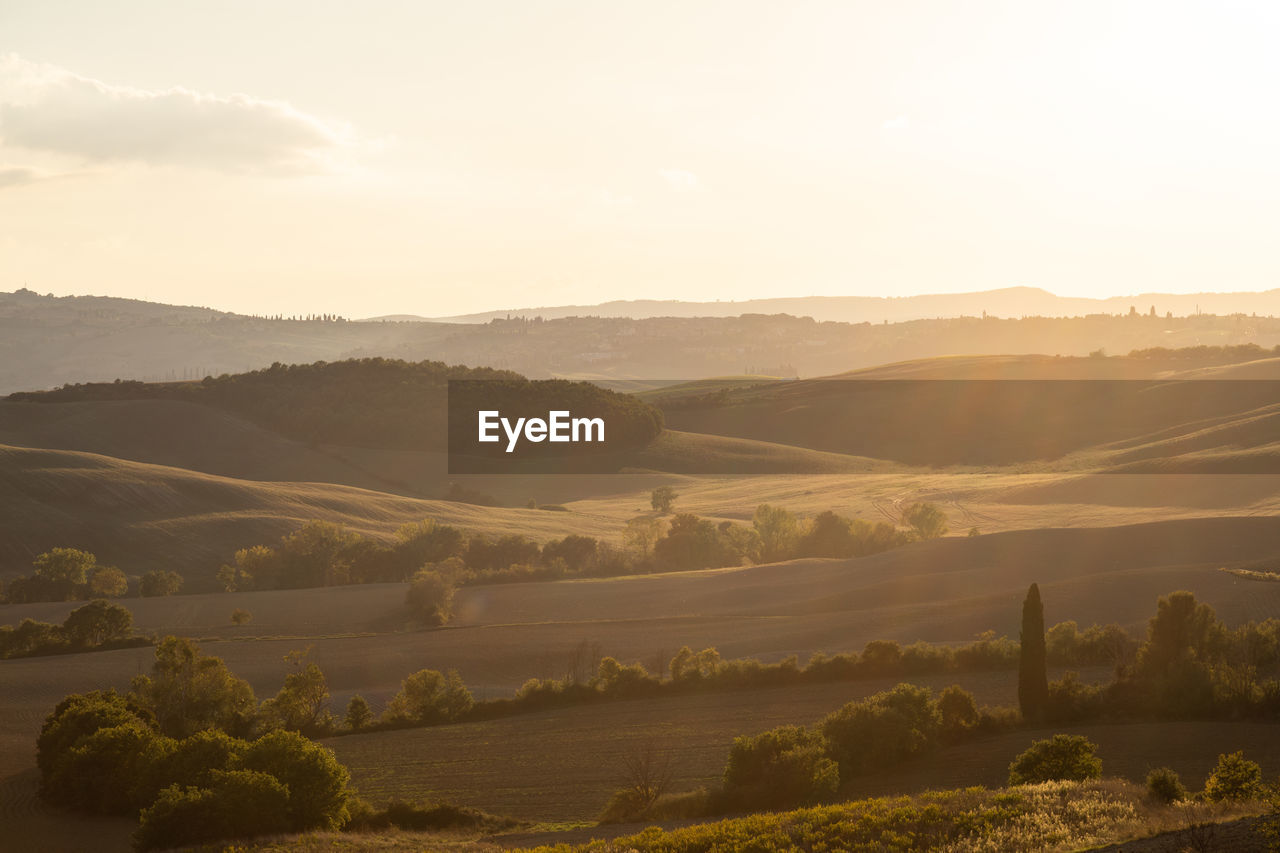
561, 765
1054, 816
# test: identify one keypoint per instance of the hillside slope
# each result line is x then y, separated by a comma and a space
141, 516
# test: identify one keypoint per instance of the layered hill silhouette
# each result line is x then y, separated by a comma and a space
1003, 302
165, 478
381, 424
47, 341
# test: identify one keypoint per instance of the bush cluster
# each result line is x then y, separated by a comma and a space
70, 574
97, 625
104, 753
323, 553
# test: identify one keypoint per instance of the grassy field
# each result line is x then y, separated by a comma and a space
141, 516
199, 484
944, 591
576, 754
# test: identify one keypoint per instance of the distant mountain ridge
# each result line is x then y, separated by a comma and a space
48, 341
1004, 302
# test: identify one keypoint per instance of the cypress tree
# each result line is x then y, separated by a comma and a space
1033, 674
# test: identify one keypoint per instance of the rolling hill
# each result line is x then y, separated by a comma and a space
1003, 302
141, 516
46, 341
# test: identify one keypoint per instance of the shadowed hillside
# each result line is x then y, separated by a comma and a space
47, 341
941, 422
142, 517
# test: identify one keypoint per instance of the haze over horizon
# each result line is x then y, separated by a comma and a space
438, 160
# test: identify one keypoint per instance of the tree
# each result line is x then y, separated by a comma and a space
430, 597
687, 666
98, 622
1070, 757
108, 582
663, 499
1177, 662
252, 568
578, 552
1182, 630
695, 543
320, 553
426, 541
188, 692
646, 775
159, 583
778, 532
1033, 673
828, 535
926, 519
302, 705
640, 535
65, 571
429, 697
359, 714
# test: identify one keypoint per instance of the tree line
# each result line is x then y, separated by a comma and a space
1189, 666
70, 574
372, 402
97, 626
322, 553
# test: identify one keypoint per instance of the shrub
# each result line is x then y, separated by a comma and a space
97, 775
190, 762
430, 597
159, 583
30, 638
882, 730
429, 697
617, 680
238, 804
240, 616
1234, 778
1070, 699
1164, 786
926, 519
422, 818
1069, 757
957, 712
783, 767
108, 582
316, 783
76, 717
96, 623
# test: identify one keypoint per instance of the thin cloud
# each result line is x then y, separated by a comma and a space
680, 180
49, 109
16, 176
896, 123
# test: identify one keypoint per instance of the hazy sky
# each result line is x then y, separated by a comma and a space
435, 158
